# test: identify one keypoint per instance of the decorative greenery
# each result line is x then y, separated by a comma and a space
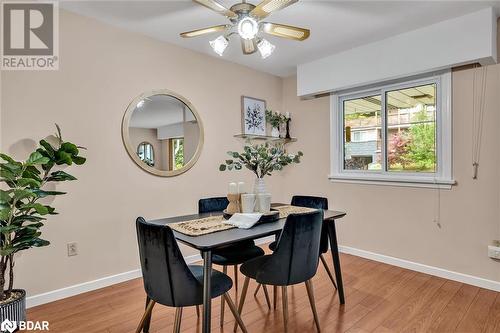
260, 159
275, 119
21, 214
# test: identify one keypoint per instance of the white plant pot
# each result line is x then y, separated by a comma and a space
275, 132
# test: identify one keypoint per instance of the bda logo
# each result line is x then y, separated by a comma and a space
8, 326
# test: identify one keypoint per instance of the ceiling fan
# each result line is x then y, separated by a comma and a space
246, 21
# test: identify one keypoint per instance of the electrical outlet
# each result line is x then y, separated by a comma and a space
72, 249
494, 250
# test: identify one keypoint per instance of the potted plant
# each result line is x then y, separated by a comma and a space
22, 215
262, 160
275, 119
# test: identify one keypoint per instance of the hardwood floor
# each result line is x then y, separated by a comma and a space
379, 298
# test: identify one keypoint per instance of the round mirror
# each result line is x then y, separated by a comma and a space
162, 133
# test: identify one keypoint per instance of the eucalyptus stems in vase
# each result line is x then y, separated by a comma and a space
262, 160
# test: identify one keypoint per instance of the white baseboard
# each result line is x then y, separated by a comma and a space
80, 288
76, 289
440, 272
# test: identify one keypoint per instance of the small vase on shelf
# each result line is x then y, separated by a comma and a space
287, 136
275, 132
282, 130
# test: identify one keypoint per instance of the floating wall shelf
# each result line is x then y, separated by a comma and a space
264, 138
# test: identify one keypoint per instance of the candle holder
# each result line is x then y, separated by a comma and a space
234, 203
288, 128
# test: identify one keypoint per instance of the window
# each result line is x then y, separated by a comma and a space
394, 134
145, 152
177, 150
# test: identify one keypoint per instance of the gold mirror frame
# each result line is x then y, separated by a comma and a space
132, 150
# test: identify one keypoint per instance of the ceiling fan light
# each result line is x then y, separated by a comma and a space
248, 28
265, 48
219, 45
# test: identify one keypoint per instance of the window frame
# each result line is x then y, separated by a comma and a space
442, 178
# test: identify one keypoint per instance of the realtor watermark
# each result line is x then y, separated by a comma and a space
30, 36
8, 326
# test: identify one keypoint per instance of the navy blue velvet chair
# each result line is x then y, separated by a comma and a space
168, 280
294, 260
232, 255
318, 203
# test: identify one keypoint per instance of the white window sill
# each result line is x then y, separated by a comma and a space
421, 182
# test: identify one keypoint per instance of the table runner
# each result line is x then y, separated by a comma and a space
202, 226
286, 210
208, 225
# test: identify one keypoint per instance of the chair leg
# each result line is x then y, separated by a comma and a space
266, 294
147, 322
275, 296
242, 299
222, 303
236, 280
310, 294
178, 319
257, 290
285, 308
323, 261
146, 315
236, 315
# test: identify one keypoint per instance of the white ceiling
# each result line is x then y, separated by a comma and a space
158, 111
335, 25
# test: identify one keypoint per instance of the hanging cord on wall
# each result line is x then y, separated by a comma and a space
479, 101
437, 216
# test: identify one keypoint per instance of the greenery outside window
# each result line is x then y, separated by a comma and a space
395, 134
177, 150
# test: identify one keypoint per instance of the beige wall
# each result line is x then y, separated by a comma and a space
100, 76
399, 221
102, 69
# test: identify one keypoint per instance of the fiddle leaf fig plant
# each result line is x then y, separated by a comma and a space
22, 185
262, 159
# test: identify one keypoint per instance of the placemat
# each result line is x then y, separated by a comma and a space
203, 226
289, 209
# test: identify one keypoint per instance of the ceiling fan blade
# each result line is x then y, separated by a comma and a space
286, 31
266, 7
248, 46
217, 7
203, 31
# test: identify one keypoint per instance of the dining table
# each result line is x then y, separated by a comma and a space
208, 242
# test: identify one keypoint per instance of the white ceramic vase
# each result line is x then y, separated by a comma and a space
259, 186
275, 132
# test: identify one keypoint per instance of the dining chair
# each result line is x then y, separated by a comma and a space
318, 203
309, 202
232, 255
295, 260
169, 281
